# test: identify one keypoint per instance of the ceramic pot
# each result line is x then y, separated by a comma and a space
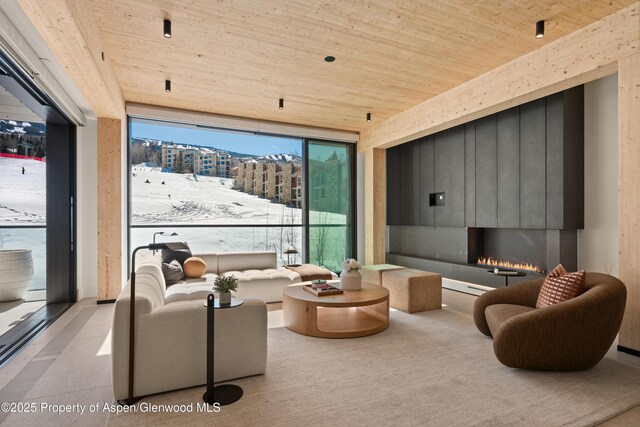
350, 280
16, 272
225, 298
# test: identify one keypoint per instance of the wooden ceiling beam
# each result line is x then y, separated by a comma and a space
71, 31
584, 55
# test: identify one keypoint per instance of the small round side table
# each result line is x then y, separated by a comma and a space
225, 394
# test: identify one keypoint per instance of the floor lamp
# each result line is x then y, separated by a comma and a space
162, 233
173, 246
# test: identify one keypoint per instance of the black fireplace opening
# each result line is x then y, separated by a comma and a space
461, 253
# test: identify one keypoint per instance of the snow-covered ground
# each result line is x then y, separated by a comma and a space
182, 199
207, 200
22, 197
23, 202
212, 201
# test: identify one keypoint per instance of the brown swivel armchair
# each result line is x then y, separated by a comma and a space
568, 336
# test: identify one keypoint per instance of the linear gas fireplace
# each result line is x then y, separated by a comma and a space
490, 262
466, 254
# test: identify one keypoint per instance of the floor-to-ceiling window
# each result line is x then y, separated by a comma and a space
222, 191
218, 191
331, 204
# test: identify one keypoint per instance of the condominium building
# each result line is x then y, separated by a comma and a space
202, 161
279, 182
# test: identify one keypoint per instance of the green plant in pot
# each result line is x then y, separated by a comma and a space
224, 285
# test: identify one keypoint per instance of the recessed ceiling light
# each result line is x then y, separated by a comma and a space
540, 29
167, 28
329, 58
368, 117
167, 86
281, 103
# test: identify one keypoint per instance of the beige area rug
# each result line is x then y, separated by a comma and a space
432, 369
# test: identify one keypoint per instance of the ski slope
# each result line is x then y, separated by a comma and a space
22, 197
207, 200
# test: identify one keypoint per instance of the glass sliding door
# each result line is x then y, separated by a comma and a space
330, 203
37, 192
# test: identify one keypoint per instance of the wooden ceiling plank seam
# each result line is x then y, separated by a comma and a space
398, 53
588, 53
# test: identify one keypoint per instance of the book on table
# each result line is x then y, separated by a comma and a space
322, 290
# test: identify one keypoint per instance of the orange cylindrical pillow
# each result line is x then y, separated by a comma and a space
194, 267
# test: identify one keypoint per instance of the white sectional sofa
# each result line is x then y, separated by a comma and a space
170, 339
257, 273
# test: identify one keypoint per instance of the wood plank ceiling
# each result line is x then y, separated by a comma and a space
239, 57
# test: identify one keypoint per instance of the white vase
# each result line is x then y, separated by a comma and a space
16, 272
350, 280
225, 298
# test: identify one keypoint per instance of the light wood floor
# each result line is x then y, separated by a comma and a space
70, 362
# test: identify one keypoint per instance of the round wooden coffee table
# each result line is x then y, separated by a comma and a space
348, 315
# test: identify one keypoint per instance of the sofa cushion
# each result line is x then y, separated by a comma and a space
268, 274
266, 285
194, 267
242, 261
560, 286
172, 272
190, 289
496, 314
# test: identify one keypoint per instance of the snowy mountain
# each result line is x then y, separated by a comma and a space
282, 157
156, 144
21, 128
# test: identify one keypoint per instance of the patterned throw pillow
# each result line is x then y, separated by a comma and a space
560, 286
172, 272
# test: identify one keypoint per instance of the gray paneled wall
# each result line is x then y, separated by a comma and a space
427, 180
509, 169
520, 168
449, 177
533, 164
507, 178
487, 172
470, 174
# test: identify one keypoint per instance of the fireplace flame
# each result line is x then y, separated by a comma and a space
508, 264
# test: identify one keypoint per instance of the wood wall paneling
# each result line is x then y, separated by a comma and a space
449, 177
375, 215
470, 174
532, 165
629, 195
509, 168
110, 225
487, 172
427, 180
